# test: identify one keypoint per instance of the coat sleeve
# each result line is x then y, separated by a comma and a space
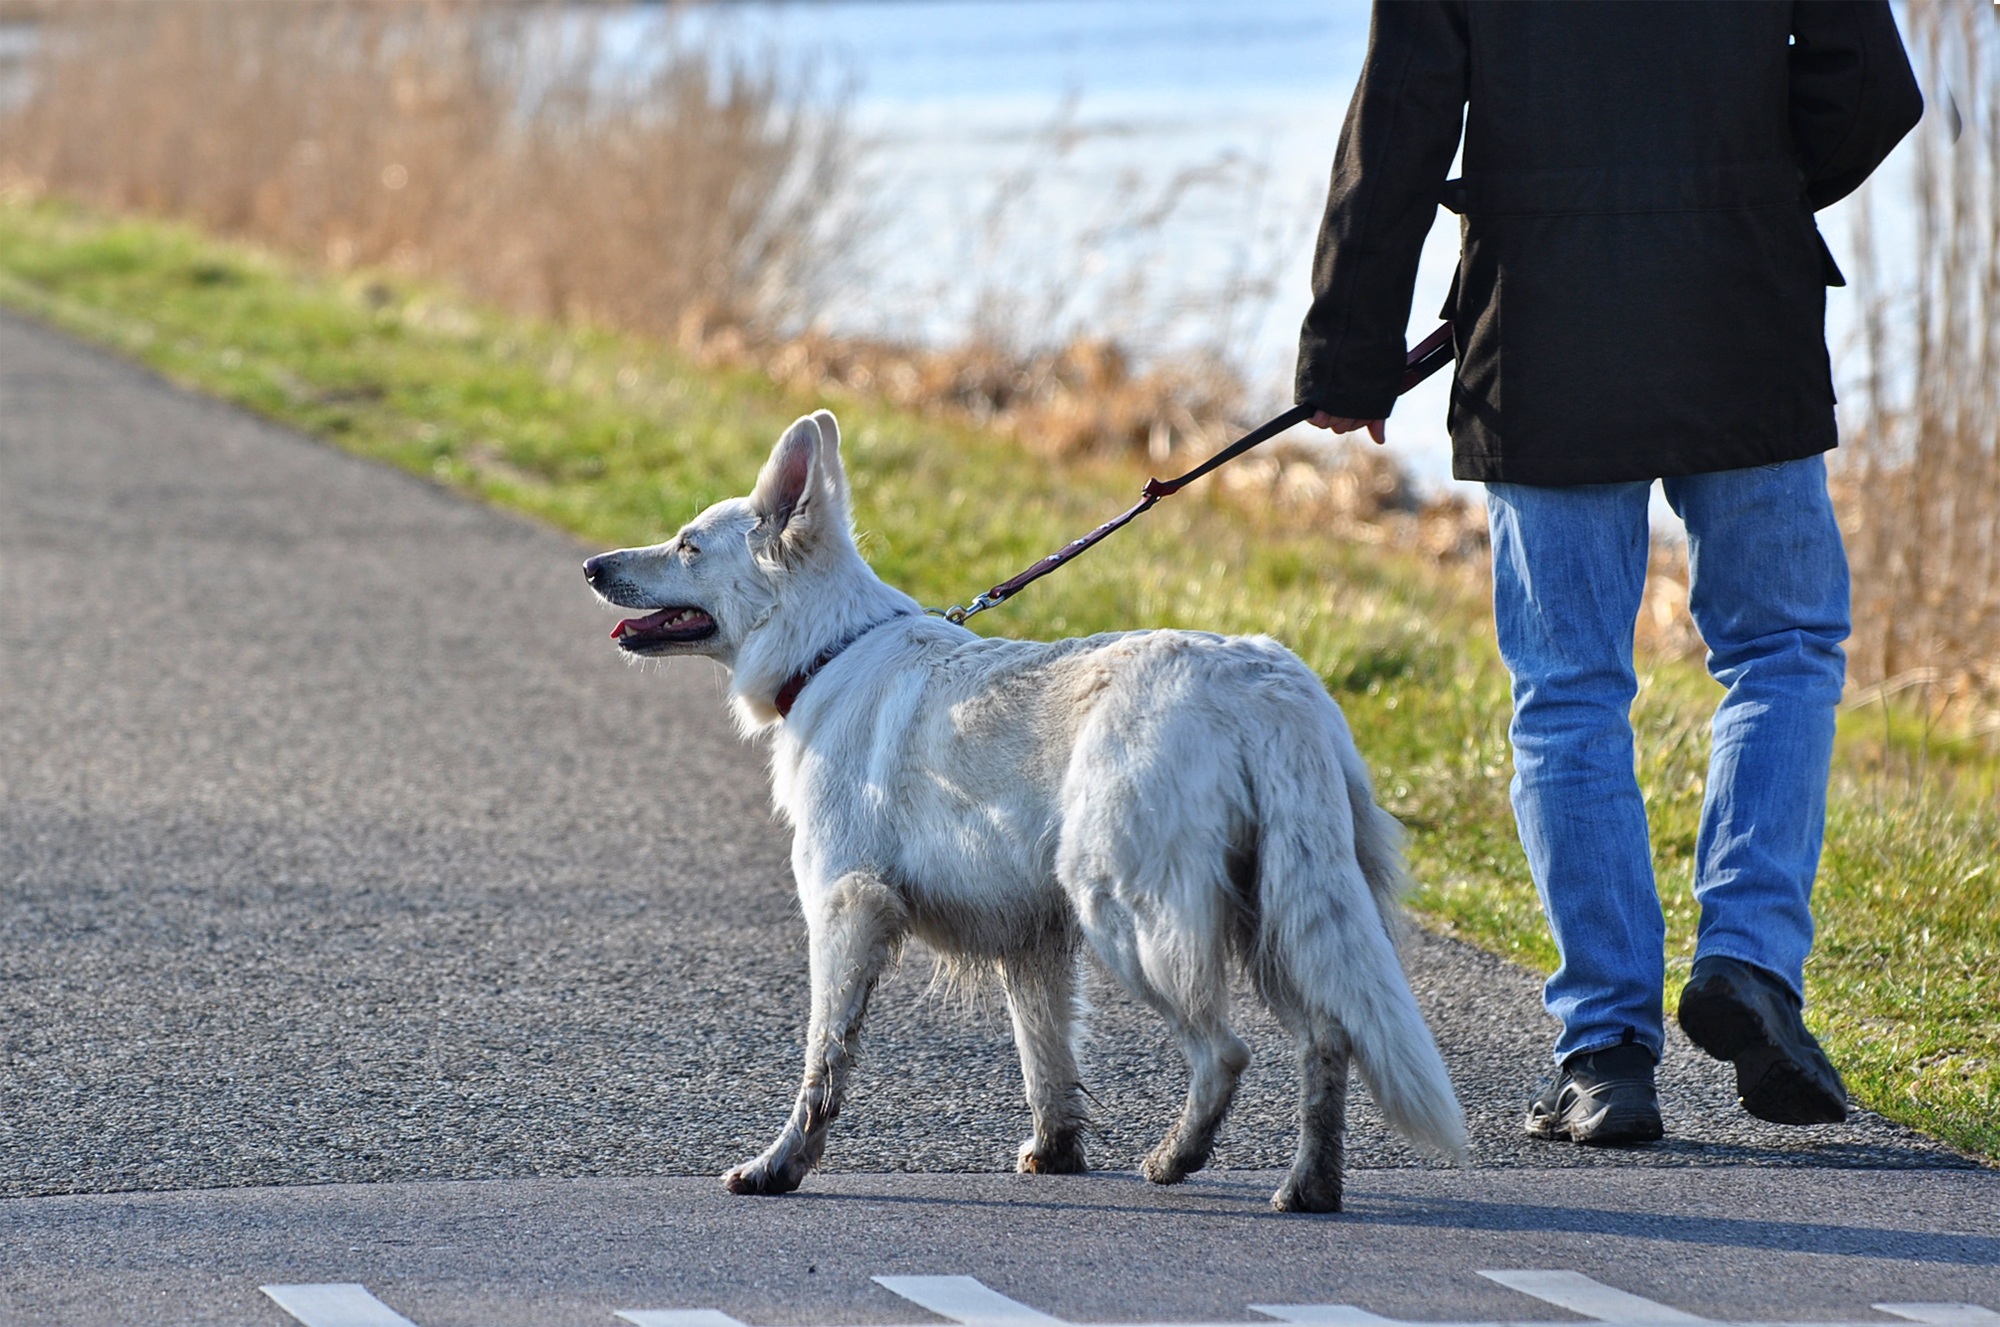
1396, 147
1853, 95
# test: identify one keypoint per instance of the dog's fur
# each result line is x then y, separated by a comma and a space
1173, 799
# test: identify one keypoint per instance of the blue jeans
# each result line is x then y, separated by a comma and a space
1768, 591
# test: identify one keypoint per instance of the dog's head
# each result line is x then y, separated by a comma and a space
706, 590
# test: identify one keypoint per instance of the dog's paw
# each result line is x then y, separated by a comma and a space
1166, 1165
1295, 1195
761, 1178
1065, 1158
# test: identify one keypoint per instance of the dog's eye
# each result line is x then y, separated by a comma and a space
689, 551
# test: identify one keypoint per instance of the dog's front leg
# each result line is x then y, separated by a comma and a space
853, 929
1041, 997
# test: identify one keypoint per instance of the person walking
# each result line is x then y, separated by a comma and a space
1640, 296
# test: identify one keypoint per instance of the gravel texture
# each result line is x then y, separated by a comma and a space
337, 844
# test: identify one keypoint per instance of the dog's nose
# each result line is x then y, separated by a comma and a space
593, 568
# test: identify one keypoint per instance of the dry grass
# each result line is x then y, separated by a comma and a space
1062, 401
669, 190
1920, 492
707, 199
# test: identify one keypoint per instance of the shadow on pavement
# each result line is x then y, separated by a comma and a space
1240, 1198
1958, 1250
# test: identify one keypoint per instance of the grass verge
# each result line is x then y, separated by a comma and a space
618, 440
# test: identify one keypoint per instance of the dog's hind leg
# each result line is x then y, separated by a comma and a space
1216, 1059
1041, 997
1314, 1184
854, 928
1186, 985
1324, 1051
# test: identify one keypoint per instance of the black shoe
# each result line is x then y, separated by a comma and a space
1601, 1098
1746, 1015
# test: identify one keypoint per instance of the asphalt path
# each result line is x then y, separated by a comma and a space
338, 847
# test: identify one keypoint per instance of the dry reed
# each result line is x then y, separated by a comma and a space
1920, 484
669, 190
705, 198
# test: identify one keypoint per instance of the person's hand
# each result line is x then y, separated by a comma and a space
1339, 424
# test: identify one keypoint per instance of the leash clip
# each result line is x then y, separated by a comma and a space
957, 613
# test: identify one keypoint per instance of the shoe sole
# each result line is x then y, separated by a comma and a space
1604, 1129
1545, 1127
1771, 1084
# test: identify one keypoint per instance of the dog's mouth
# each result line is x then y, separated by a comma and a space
663, 630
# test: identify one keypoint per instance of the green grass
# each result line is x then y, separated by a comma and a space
619, 440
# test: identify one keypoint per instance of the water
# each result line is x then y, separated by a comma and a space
1148, 170
1151, 170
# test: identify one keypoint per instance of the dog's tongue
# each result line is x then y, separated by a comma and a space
646, 623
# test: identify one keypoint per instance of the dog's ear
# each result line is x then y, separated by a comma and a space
790, 484
832, 472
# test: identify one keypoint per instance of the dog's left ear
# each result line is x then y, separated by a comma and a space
785, 484
801, 488
832, 473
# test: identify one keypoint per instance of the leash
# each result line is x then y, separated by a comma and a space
1430, 354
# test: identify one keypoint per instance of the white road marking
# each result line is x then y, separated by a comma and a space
966, 1300
1593, 1299
342, 1304
1320, 1315
970, 1302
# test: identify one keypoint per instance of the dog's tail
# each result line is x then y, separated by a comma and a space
1332, 935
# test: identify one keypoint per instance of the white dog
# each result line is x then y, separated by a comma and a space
1174, 799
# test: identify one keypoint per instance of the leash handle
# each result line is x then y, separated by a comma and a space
1430, 354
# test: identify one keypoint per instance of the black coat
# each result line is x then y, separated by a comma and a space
1641, 291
